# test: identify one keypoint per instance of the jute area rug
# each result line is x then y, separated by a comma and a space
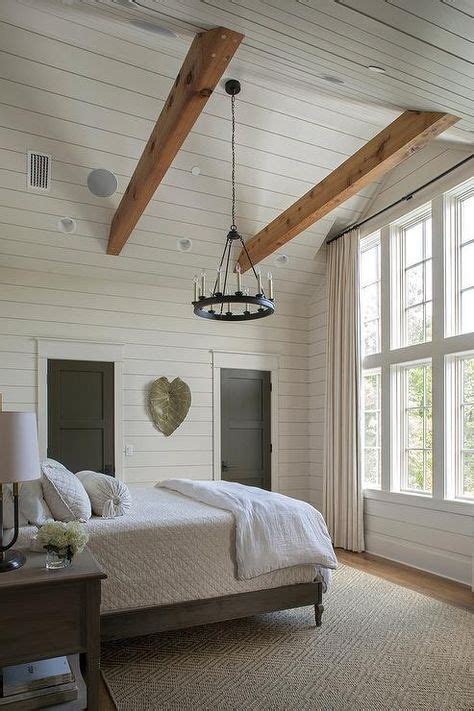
381, 646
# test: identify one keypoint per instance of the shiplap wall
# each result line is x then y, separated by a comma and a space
317, 378
438, 541
39, 304
90, 99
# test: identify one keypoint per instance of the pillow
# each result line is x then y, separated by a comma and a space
32, 506
8, 521
109, 497
64, 493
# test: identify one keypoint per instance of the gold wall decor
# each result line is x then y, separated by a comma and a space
169, 404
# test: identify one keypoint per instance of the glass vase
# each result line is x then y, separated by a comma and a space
56, 560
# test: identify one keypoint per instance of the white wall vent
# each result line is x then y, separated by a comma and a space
38, 171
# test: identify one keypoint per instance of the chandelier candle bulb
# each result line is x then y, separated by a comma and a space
203, 283
196, 289
259, 282
219, 281
270, 285
239, 278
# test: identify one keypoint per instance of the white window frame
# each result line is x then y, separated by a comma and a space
369, 242
398, 271
454, 425
399, 430
437, 350
452, 207
373, 371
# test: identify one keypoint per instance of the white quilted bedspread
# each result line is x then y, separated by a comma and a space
170, 548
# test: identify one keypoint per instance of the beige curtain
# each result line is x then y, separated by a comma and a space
342, 476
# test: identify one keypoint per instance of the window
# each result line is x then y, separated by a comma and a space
417, 333
412, 280
459, 205
370, 293
460, 417
414, 406
371, 430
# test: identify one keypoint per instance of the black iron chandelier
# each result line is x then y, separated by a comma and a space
222, 304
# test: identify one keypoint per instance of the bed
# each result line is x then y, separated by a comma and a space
170, 564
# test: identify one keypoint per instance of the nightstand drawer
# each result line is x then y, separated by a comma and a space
46, 621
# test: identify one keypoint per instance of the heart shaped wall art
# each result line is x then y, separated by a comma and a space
169, 404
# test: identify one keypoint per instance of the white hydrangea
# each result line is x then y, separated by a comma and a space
63, 538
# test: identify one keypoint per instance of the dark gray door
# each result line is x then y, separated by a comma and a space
81, 414
246, 427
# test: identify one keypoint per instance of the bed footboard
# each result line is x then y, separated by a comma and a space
148, 620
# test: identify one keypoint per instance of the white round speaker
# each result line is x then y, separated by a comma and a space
102, 182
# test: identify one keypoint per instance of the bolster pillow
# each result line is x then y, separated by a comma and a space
109, 497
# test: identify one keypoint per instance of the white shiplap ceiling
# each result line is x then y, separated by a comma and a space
81, 81
426, 47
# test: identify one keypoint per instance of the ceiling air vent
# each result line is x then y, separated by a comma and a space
39, 171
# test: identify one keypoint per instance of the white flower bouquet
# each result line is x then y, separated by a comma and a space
64, 539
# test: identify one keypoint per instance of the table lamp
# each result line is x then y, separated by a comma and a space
19, 461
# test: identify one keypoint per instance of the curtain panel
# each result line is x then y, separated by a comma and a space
343, 500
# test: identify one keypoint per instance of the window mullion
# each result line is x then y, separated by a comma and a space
385, 395
438, 365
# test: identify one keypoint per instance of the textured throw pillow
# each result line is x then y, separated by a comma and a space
109, 497
33, 507
64, 493
8, 521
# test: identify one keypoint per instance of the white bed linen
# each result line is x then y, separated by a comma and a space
169, 549
273, 531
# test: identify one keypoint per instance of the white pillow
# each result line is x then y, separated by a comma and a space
8, 521
109, 497
32, 506
64, 493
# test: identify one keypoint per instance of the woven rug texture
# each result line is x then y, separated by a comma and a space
381, 646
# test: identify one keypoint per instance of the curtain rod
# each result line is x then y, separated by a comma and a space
406, 197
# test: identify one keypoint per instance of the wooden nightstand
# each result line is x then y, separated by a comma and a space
50, 613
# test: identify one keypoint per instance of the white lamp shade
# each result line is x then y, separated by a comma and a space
19, 453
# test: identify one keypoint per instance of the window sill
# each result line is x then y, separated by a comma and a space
464, 508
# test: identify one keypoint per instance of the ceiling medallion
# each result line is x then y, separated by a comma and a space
220, 303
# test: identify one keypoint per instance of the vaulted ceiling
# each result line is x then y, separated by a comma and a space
85, 80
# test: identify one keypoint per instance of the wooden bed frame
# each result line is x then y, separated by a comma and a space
148, 620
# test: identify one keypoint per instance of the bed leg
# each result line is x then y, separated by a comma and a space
318, 613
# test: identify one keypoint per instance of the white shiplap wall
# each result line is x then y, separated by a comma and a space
400, 527
317, 377
37, 304
90, 99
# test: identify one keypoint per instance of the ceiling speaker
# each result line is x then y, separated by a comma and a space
101, 182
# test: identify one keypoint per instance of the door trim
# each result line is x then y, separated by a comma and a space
50, 348
244, 361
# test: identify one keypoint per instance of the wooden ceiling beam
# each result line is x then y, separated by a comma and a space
407, 134
204, 65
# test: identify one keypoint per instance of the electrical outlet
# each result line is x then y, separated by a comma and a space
129, 450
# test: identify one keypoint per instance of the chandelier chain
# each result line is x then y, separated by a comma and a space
232, 103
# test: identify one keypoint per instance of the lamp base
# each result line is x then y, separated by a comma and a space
11, 560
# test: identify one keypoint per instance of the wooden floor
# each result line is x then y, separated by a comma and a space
428, 584
425, 583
